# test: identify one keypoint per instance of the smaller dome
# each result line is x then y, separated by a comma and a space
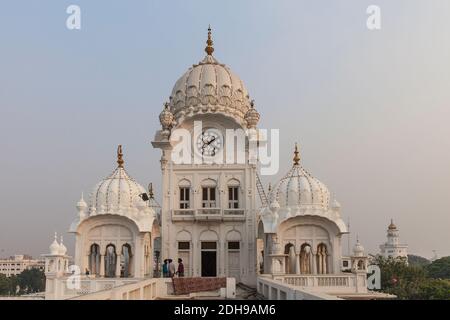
392, 226
298, 188
358, 249
117, 192
62, 248
54, 247
81, 204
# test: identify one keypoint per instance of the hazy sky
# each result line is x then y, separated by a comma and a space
370, 109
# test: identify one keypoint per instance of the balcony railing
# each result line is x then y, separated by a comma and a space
184, 212
233, 212
209, 211
208, 214
313, 280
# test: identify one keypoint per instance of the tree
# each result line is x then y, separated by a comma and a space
4, 285
439, 269
31, 281
417, 261
409, 281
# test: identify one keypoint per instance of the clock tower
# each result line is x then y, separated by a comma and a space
209, 199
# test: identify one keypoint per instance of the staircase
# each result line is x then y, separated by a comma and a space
261, 192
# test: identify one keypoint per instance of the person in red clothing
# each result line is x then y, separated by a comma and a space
180, 271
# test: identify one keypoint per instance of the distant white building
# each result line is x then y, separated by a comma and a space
15, 265
392, 248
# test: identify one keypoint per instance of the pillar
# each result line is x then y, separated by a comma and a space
118, 266
297, 263
102, 265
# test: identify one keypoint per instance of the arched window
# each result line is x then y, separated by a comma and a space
110, 261
94, 259
126, 258
305, 258
361, 265
322, 254
185, 194
233, 194
209, 193
289, 249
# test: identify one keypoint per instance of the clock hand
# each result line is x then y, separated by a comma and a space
210, 141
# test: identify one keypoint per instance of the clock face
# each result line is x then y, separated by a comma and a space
209, 142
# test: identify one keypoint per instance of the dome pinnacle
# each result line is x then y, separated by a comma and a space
296, 156
150, 190
209, 43
120, 161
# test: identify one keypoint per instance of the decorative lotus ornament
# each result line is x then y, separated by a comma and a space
166, 118
252, 116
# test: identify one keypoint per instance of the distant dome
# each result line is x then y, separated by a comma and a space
358, 249
392, 226
54, 247
299, 188
209, 87
117, 192
62, 248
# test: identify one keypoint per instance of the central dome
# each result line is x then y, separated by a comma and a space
209, 87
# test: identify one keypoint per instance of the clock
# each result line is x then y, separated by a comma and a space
209, 142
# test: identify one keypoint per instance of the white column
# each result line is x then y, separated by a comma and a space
102, 265
297, 263
118, 266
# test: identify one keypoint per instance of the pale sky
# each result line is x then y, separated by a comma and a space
370, 109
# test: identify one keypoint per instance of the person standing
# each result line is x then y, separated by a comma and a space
171, 268
180, 271
165, 268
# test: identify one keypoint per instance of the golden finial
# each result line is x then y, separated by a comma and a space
209, 43
296, 156
120, 156
150, 190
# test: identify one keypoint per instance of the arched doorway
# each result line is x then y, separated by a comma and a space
208, 240
305, 259
94, 259
322, 257
289, 250
110, 261
126, 261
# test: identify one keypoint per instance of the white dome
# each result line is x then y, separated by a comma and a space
117, 192
298, 188
62, 248
358, 249
209, 87
54, 247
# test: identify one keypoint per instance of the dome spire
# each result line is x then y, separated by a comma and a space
296, 155
120, 156
150, 191
209, 43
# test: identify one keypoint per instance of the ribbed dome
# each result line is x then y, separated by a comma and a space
209, 87
299, 188
118, 191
